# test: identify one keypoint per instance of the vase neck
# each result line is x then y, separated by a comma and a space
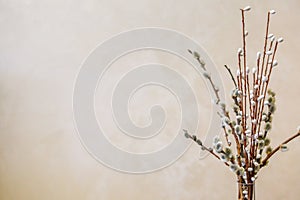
246, 191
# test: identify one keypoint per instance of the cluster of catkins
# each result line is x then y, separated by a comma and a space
224, 148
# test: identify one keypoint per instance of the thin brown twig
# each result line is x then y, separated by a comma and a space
232, 77
215, 89
265, 46
260, 72
259, 83
266, 88
245, 87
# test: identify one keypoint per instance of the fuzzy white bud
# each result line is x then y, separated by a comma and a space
256, 86
260, 97
248, 132
284, 148
247, 70
240, 51
206, 75
246, 33
266, 103
275, 63
254, 70
272, 12
247, 8
216, 139
269, 53
279, 40
273, 39
258, 156
233, 167
264, 117
258, 55
264, 79
270, 35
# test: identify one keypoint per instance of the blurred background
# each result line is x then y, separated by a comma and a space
42, 46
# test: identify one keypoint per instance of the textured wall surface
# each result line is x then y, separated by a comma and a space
42, 45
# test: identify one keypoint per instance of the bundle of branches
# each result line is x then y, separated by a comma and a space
249, 123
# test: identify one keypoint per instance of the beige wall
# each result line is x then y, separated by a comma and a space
42, 45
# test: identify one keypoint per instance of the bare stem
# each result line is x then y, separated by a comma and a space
232, 77
265, 46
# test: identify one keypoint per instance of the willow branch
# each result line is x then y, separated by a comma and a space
216, 90
203, 147
266, 88
246, 87
265, 160
206, 75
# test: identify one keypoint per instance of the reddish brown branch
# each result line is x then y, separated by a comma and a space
265, 160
